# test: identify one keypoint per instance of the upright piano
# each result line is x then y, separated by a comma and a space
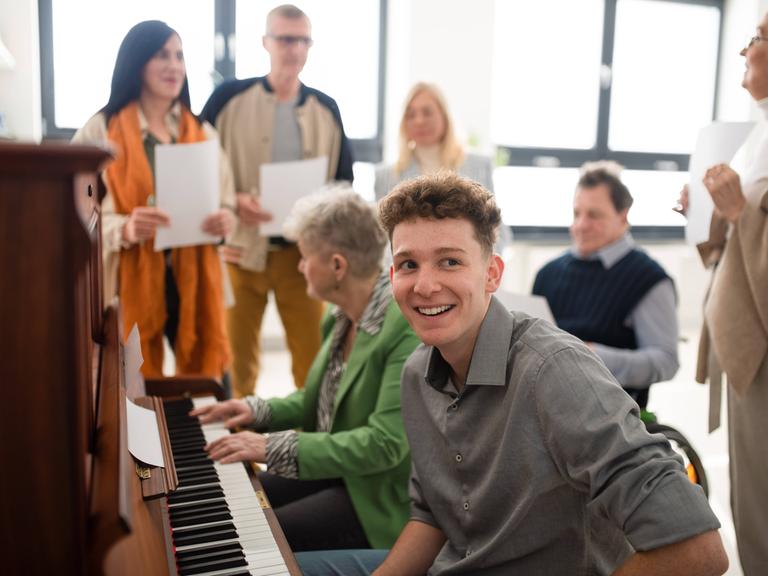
72, 498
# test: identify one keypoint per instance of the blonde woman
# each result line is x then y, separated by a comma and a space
428, 144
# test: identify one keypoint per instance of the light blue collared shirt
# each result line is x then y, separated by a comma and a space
654, 321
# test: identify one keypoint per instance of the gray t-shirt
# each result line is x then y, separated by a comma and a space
286, 137
541, 465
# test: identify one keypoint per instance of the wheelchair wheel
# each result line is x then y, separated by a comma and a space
680, 444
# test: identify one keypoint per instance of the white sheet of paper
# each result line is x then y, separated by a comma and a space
283, 183
533, 305
143, 435
134, 381
187, 188
716, 144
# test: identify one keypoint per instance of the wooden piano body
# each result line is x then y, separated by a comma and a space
70, 497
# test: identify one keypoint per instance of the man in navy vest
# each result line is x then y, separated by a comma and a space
610, 293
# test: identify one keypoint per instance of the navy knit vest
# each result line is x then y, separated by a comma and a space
593, 303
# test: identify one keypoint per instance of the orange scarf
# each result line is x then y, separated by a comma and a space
201, 342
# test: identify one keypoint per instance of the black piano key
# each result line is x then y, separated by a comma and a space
228, 551
198, 507
198, 469
178, 513
195, 467
213, 565
202, 473
194, 496
187, 450
188, 482
195, 511
196, 490
204, 530
198, 458
185, 436
194, 555
202, 507
206, 508
201, 519
198, 485
203, 536
181, 439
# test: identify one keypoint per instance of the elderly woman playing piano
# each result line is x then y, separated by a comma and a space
341, 480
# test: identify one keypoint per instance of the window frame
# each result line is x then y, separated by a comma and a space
574, 158
363, 149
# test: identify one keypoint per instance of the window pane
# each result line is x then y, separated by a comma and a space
544, 196
87, 34
343, 62
655, 195
664, 67
546, 73
535, 196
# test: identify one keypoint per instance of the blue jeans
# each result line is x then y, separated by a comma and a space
340, 562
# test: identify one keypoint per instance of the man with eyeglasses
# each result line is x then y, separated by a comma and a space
274, 118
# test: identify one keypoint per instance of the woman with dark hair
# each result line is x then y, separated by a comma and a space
179, 292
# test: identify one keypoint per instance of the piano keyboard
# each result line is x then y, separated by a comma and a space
217, 524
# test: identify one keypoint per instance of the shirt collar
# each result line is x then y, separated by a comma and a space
373, 315
300, 99
172, 119
611, 253
762, 105
488, 366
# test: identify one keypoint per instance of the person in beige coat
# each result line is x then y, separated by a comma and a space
734, 339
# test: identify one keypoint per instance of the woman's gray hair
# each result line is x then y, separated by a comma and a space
337, 219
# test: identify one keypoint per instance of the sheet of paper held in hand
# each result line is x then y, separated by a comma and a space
716, 144
187, 188
282, 183
143, 434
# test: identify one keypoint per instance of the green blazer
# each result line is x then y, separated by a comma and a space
366, 446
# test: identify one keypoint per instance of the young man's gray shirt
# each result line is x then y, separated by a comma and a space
541, 465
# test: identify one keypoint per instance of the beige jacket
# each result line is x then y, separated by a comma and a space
243, 112
95, 132
736, 310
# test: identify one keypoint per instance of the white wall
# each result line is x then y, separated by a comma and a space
20, 88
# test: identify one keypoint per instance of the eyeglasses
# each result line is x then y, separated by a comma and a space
288, 40
754, 40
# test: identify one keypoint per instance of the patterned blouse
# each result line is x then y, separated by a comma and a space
283, 447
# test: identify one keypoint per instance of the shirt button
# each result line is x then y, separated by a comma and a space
459, 458
469, 553
466, 505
